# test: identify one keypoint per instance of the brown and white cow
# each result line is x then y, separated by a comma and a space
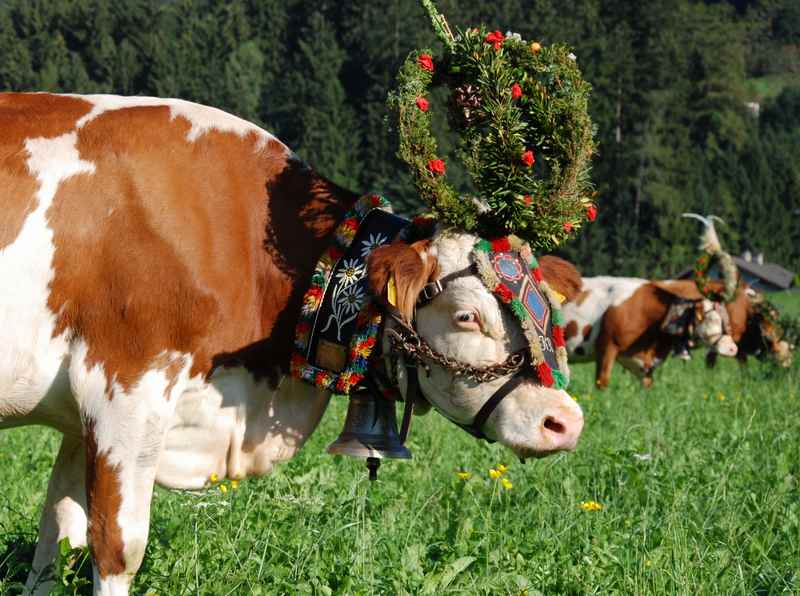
154, 255
620, 318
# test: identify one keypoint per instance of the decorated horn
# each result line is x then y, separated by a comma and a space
709, 241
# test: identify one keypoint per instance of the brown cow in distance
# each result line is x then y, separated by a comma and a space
617, 318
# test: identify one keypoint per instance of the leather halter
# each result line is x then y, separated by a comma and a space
428, 293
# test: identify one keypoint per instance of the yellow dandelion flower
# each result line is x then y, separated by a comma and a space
647, 563
494, 474
721, 397
223, 489
506, 484
590, 506
234, 484
502, 469
213, 477
463, 475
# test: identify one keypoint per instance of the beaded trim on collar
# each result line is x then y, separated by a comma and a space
500, 265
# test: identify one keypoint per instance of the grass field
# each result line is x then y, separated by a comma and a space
698, 479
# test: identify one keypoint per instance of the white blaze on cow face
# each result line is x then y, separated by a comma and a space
711, 330
532, 420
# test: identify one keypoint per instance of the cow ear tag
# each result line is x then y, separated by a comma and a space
391, 291
561, 297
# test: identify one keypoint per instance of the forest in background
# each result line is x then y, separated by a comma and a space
672, 81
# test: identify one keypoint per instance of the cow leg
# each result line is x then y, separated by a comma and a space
63, 516
607, 352
124, 430
120, 473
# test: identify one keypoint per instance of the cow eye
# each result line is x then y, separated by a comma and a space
467, 318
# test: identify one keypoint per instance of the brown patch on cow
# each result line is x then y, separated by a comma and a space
203, 247
411, 267
26, 116
104, 499
682, 288
581, 297
587, 331
571, 330
562, 276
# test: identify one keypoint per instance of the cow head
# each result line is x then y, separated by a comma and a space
467, 324
711, 321
711, 328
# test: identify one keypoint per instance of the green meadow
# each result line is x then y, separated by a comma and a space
696, 483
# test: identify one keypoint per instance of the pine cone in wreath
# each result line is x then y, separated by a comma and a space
464, 104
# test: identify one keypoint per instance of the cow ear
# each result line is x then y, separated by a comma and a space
685, 289
561, 275
410, 265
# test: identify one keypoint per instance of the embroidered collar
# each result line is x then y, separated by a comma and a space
339, 323
509, 270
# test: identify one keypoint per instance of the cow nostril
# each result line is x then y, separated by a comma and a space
554, 425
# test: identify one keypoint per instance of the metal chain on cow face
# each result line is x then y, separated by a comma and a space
416, 349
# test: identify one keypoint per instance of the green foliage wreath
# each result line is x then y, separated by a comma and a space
525, 134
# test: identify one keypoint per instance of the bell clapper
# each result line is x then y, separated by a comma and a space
373, 463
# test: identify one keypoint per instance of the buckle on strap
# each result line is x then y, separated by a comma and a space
429, 292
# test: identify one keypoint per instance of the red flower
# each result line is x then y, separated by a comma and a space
528, 200
558, 336
591, 212
422, 104
516, 91
436, 166
425, 62
501, 245
314, 292
351, 223
495, 38
527, 158
568, 227
537, 274
503, 292
545, 374
335, 254
375, 200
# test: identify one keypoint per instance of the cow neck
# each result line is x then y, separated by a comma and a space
303, 212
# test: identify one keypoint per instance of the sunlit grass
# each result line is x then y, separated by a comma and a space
688, 488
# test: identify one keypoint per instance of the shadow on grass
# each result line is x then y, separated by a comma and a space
16, 555
73, 567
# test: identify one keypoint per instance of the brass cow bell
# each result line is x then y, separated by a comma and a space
370, 431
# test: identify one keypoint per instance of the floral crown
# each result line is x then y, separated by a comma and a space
525, 135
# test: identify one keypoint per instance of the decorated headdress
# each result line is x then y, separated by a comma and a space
711, 246
525, 136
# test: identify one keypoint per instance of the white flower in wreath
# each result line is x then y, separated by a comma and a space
371, 243
351, 299
351, 271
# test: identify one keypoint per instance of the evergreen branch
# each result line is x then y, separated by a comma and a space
440, 26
